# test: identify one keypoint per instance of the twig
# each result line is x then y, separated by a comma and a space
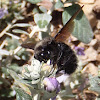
7, 28
36, 29
13, 36
17, 49
3, 44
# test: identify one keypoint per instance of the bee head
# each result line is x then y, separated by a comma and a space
43, 50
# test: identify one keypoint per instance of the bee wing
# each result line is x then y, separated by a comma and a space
64, 33
29, 43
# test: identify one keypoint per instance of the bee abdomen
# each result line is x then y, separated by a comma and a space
67, 59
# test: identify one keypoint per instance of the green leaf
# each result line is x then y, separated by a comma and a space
82, 30
42, 20
12, 43
22, 95
58, 4
98, 98
18, 16
42, 23
33, 1
4, 70
21, 25
94, 83
15, 68
19, 31
71, 1
43, 9
23, 54
13, 74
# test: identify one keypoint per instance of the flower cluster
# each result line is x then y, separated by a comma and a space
40, 81
79, 50
39, 76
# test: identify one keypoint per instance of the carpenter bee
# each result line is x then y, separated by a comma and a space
56, 49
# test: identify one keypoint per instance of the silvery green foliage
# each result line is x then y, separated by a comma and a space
94, 83
42, 20
59, 4
33, 1
32, 81
38, 81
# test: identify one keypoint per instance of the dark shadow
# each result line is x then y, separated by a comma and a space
56, 18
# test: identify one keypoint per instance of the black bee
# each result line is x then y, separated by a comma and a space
56, 49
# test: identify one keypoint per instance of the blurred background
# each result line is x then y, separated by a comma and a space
22, 19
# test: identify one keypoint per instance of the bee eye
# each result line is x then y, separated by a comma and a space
48, 52
42, 49
41, 54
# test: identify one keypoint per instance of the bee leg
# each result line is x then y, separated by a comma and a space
59, 70
51, 72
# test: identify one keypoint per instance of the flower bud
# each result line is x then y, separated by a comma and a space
51, 84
